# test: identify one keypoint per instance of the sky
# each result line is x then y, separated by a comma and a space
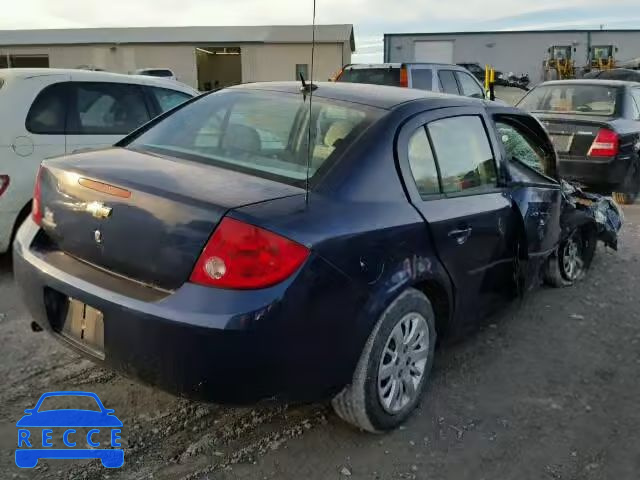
371, 18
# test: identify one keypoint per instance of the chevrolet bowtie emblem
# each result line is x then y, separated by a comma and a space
98, 210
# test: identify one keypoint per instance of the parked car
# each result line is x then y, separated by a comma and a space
193, 256
595, 127
165, 73
434, 77
50, 112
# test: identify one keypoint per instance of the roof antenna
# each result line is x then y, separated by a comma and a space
309, 88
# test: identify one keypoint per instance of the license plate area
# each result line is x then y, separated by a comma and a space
562, 142
83, 326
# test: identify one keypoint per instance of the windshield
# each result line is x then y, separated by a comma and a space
262, 133
572, 98
375, 76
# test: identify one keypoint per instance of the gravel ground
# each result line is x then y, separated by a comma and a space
549, 389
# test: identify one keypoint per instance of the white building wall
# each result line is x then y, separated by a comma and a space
260, 62
519, 52
269, 62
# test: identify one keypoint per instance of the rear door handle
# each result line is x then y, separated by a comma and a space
461, 235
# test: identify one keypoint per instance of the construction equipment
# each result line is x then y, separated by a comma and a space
560, 65
602, 57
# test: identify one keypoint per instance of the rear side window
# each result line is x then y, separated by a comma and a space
422, 163
422, 78
101, 108
464, 154
448, 82
167, 99
374, 76
469, 86
635, 93
263, 134
48, 111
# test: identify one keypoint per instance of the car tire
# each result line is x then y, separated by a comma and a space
377, 400
630, 189
573, 258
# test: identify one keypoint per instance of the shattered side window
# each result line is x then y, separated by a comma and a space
519, 148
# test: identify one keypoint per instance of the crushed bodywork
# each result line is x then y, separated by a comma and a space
602, 212
586, 218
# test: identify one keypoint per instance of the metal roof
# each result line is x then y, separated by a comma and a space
509, 32
191, 35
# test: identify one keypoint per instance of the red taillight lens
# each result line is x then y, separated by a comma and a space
404, 77
4, 183
606, 144
36, 204
242, 256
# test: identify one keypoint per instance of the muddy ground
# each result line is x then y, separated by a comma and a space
549, 389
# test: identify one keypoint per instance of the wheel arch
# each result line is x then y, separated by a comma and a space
21, 217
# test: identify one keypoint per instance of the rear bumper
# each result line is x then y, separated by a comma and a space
607, 173
293, 340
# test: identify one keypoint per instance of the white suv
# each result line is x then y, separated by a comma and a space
50, 112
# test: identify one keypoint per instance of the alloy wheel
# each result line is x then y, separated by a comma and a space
403, 362
571, 259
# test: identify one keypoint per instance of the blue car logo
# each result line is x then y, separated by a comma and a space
32, 447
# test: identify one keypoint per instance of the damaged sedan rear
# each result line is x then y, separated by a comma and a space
258, 242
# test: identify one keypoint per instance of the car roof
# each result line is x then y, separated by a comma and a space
379, 96
92, 75
592, 81
356, 66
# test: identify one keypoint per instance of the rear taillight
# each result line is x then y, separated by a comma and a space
404, 77
4, 183
36, 204
242, 256
606, 144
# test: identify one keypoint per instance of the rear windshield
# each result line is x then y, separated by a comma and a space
572, 99
158, 73
262, 133
374, 76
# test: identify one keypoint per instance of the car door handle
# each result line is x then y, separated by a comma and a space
461, 235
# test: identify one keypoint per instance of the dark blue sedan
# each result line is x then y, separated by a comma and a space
259, 242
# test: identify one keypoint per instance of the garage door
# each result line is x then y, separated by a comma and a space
431, 51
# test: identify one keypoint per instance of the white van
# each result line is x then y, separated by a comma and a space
50, 112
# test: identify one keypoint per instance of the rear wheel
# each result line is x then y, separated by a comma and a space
394, 366
630, 189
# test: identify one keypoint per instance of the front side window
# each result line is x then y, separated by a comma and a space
448, 82
263, 134
167, 99
464, 154
469, 86
102, 108
520, 148
422, 163
422, 78
48, 111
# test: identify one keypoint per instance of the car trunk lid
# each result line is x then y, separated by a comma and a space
573, 135
139, 215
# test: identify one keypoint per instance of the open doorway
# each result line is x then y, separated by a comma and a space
218, 67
